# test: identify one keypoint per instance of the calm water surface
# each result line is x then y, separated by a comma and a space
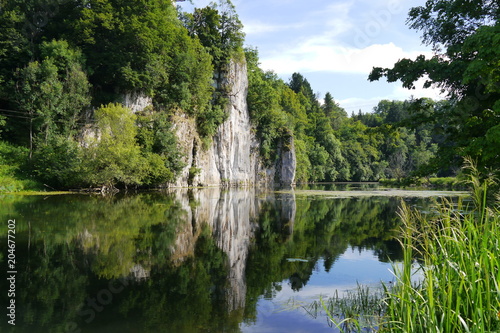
203, 260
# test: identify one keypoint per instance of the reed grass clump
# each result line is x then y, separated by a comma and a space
457, 253
359, 310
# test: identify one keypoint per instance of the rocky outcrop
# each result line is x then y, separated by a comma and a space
136, 101
286, 164
232, 157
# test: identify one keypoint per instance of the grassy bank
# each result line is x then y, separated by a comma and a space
458, 255
13, 170
458, 258
449, 280
11, 182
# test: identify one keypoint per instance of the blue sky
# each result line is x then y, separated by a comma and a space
334, 44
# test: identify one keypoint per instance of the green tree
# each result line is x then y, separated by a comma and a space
333, 111
58, 163
220, 31
361, 150
464, 35
291, 103
38, 94
190, 77
136, 46
391, 111
369, 119
299, 84
327, 162
113, 155
303, 168
53, 92
159, 146
265, 110
125, 41
2, 123
76, 88
15, 48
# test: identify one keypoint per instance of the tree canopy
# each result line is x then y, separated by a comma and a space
465, 37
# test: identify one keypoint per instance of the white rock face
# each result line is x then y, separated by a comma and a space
233, 156
136, 101
286, 165
230, 159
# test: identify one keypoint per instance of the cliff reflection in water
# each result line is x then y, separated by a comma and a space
188, 261
231, 216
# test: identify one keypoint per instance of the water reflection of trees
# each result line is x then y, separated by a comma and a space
68, 246
191, 260
323, 229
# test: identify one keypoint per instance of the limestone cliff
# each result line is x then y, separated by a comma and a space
233, 156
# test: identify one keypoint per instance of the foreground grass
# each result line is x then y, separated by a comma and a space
457, 256
13, 175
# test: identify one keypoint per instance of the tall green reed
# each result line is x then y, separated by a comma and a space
449, 280
457, 253
358, 310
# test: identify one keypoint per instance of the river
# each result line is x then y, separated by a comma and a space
199, 260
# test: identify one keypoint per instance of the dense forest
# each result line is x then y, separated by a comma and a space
66, 65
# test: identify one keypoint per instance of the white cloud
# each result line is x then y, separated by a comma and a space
257, 27
336, 18
398, 93
331, 20
419, 91
324, 54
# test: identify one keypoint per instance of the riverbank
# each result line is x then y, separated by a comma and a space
9, 184
448, 183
